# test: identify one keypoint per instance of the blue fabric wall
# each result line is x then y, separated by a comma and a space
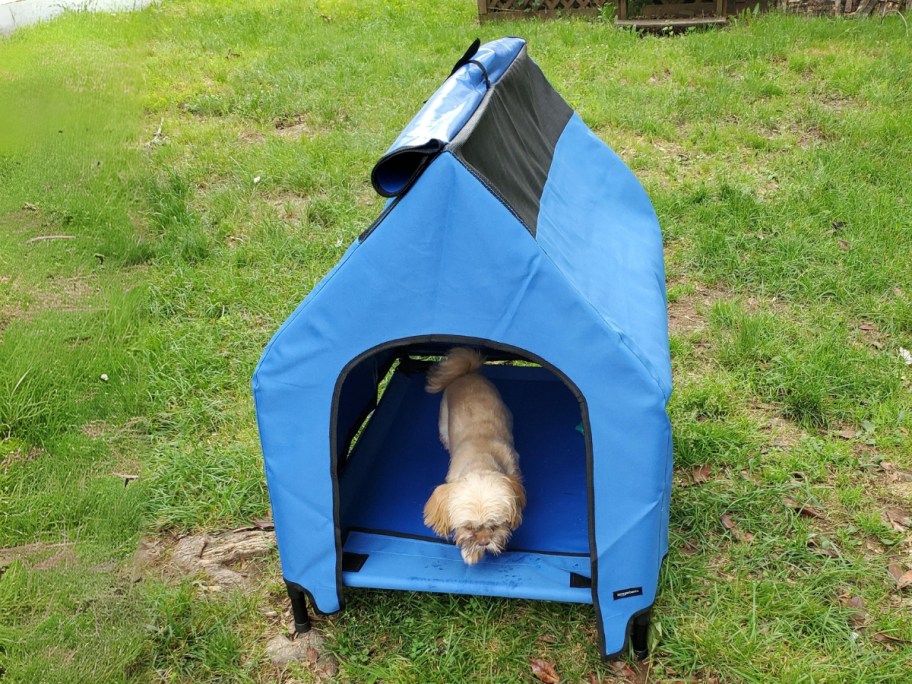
598, 226
450, 259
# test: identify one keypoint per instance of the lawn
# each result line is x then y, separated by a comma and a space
200, 165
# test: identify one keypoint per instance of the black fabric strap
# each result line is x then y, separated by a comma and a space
484, 72
467, 57
578, 581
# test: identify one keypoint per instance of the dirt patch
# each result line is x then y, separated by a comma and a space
55, 294
809, 136
26, 220
227, 560
21, 455
64, 294
251, 137
39, 556
293, 127
95, 429
782, 434
837, 104
289, 206
237, 560
687, 311
308, 648
868, 334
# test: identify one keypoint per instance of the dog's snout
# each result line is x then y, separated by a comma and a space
483, 537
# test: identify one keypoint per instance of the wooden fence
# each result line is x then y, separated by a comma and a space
681, 13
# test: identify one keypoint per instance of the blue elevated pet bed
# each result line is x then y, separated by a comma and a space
511, 228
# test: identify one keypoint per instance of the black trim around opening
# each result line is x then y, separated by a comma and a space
455, 340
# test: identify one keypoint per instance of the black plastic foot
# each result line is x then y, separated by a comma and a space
639, 635
299, 609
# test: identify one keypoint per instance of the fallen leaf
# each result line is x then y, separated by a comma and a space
594, 678
823, 546
855, 602
701, 474
736, 532
888, 638
906, 356
895, 473
544, 671
867, 326
689, 549
263, 523
856, 605
844, 245
547, 639
898, 517
802, 509
904, 580
622, 669
847, 434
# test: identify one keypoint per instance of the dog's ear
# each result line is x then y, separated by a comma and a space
519, 501
437, 511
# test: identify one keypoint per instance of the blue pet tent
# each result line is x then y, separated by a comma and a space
512, 228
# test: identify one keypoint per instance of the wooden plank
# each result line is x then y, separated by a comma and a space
865, 8
680, 10
509, 15
622, 10
482, 8
673, 24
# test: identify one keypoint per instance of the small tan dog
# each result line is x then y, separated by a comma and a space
482, 500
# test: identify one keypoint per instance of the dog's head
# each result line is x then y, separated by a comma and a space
480, 510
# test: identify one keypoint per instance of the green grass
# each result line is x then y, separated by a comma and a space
776, 153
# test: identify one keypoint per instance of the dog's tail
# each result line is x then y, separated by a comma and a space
458, 362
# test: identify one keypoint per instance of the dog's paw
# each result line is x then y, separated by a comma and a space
471, 557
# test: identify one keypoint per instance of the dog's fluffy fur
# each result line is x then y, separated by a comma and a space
481, 502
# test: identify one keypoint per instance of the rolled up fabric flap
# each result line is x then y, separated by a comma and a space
442, 116
398, 168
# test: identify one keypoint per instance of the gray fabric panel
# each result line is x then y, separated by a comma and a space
509, 141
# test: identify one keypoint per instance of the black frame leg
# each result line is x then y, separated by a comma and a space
639, 635
299, 609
